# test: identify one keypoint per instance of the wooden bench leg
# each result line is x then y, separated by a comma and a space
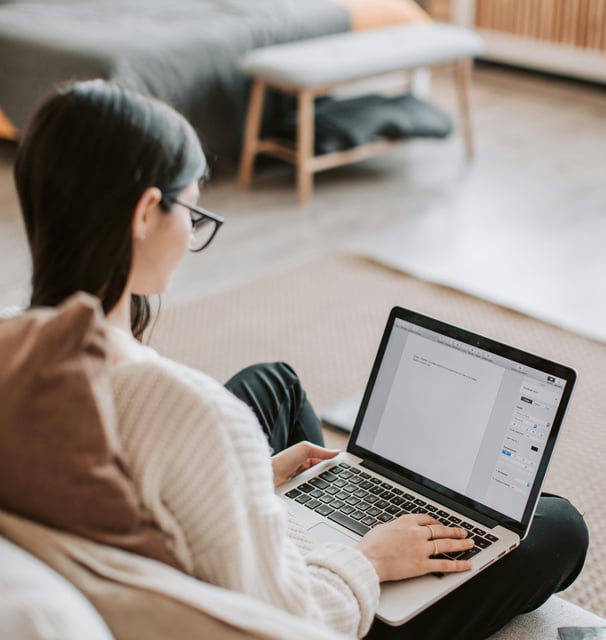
305, 144
463, 83
251, 134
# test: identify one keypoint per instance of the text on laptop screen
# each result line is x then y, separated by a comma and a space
473, 421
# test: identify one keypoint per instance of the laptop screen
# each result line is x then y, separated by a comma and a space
463, 413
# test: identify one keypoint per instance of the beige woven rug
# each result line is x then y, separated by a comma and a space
326, 318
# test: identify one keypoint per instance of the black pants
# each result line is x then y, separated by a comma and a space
274, 392
547, 561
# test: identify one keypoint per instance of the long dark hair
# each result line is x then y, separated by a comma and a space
85, 159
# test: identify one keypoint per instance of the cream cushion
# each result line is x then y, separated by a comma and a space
36, 603
140, 598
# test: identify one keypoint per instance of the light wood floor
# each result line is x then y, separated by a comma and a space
540, 147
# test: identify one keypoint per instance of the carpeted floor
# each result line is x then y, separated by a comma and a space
325, 317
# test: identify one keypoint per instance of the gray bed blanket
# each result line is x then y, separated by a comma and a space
182, 51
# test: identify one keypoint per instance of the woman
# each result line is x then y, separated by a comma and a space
108, 182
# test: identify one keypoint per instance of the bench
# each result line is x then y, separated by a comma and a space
311, 68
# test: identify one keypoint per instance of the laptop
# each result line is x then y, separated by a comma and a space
452, 424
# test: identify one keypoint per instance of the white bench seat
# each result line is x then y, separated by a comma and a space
314, 67
348, 57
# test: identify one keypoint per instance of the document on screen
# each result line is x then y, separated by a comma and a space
437, 411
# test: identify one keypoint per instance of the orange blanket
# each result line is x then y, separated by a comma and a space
6, 128
372, 14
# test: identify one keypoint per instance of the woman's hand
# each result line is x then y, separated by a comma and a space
403, 548
298, 458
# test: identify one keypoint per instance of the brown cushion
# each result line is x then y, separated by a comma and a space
59, 452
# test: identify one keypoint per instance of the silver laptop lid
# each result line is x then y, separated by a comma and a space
464, 419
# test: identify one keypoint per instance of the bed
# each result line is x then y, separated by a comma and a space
182, 51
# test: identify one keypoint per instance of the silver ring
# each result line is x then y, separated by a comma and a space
430, 531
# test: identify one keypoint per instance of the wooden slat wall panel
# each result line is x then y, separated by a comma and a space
578, 23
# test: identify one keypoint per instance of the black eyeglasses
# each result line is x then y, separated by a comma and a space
204, 225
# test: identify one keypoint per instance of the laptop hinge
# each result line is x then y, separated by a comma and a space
429, 493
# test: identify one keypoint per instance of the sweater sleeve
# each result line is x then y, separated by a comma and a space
202, 465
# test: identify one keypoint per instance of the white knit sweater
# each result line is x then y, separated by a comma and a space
203, 468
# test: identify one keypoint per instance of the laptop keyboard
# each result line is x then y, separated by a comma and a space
358, 501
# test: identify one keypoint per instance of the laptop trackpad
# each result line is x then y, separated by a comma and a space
324, 533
